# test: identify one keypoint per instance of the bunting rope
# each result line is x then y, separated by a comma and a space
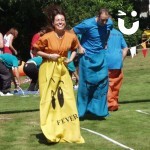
144, 50
140, 44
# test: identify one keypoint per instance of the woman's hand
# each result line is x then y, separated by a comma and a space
81, 50
67, 61
16, 53
53, 56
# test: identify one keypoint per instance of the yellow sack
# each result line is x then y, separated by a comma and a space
58, 113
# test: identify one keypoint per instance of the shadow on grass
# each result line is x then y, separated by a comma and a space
135, 101
42, 139
18, 111
90, 116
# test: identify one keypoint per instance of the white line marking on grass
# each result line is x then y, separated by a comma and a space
140, 111
107, 138
5, 118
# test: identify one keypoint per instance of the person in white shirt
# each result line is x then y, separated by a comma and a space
1, 43
8, 41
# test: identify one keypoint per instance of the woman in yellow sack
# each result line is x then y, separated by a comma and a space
58, 113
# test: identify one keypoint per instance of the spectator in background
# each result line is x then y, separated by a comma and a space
73, 71
31, 69
8, 63
35, 38
9, 38
115, 54
93, 71
1, 43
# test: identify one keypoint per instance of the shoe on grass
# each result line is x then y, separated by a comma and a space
7, 94
75, 87
1, 93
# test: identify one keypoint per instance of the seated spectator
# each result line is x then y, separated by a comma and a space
8, 63
31, 69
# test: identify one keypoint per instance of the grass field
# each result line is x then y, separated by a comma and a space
19, 118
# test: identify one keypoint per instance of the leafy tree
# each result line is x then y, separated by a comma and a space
78, 10
28, 17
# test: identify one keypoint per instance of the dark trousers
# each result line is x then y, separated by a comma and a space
5, 78
31, 71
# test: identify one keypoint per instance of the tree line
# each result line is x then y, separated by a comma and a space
28, 17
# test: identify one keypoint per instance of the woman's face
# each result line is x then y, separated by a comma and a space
59, 22
15, 34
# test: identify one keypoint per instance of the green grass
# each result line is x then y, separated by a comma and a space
19, 117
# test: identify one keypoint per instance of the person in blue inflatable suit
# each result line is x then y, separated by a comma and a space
93, 71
